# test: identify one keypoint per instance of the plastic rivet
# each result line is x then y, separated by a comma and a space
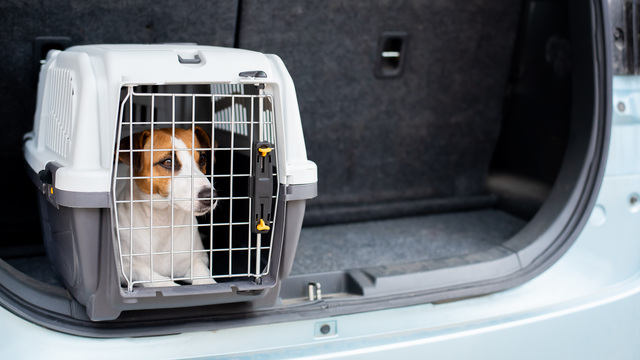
324, 329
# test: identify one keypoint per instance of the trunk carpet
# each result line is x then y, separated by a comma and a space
38, 267
403, 240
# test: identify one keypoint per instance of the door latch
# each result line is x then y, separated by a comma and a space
262, 186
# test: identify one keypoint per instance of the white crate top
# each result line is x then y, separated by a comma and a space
79, 94
159, 64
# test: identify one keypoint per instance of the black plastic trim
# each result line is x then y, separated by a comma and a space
625, 26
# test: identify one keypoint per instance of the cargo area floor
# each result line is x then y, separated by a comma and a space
399, 241
37, 267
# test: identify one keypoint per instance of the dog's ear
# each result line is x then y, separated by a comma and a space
202, 137
205, 142
138, 140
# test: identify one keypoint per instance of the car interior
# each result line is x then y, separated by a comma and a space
457, 144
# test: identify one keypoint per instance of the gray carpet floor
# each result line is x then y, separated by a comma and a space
401, 241
38, 267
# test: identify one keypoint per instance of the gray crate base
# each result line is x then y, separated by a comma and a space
80, 247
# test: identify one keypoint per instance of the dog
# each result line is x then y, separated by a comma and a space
162, 223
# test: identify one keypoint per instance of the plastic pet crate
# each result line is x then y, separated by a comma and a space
170, 175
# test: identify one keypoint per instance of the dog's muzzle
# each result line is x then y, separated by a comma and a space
206, 201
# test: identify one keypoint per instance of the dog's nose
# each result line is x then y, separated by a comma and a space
206, 194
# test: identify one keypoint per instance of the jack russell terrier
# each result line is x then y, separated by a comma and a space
174, 190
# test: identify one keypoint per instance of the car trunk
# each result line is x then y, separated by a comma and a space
457, 144
434, 165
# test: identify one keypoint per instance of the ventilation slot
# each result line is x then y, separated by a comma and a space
58, 111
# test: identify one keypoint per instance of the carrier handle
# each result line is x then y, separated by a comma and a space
196, 60
253, 74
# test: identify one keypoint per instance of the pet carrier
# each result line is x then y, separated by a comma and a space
170, 175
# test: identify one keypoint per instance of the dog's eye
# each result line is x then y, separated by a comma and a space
203, 160
166, 163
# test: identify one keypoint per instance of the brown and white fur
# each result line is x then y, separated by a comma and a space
176, 200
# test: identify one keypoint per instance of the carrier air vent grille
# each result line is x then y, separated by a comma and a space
58, 112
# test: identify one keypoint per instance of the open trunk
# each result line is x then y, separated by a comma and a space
451, 139
457, 143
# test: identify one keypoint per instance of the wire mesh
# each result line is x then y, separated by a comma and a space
163, 235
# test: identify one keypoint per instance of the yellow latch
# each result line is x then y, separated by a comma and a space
262, 226
265, 150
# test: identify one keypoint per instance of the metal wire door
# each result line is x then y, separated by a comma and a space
235, 239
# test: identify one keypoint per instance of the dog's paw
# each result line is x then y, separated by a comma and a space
164, 283
202, 281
